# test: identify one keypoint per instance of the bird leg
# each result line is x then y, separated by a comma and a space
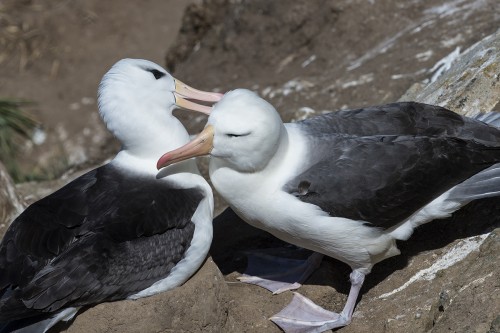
279, 274
303, 316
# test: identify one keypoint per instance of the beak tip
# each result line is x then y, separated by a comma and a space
162, 162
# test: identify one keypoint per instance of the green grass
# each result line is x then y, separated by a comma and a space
15, 127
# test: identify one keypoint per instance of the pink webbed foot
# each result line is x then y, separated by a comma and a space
303, 316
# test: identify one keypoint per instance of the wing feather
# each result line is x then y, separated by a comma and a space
384, 179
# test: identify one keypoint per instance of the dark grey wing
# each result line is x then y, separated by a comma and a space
104, 236
100, 269
405, 118
43, 231
383, 180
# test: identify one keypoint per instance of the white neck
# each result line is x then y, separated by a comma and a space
142, 149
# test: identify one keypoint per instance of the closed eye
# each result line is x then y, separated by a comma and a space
158, 74
234, 135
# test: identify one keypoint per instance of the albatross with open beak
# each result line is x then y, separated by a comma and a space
121, 231
346, 184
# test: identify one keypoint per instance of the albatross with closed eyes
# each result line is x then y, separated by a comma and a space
121, 231
346, 184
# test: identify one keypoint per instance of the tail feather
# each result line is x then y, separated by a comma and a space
490, 118
485, 184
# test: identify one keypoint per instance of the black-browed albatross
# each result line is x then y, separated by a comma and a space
121, 231
347, 184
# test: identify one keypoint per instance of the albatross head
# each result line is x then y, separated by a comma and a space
243, 130
136, 98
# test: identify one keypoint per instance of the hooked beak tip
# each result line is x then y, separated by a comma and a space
162, 162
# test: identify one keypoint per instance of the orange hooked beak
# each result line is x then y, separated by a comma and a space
184, 93
201, 145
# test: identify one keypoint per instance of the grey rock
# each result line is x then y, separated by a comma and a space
471, 85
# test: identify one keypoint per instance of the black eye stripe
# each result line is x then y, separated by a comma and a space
156, 73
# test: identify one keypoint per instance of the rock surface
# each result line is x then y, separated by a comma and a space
471, 86
308, 57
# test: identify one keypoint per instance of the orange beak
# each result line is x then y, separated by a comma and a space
201, 145
183, 93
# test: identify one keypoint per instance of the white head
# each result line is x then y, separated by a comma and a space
136, 98
243, 131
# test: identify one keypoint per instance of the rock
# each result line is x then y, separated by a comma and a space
471, 86
460, 296
495, 325
10, 203
322, 55
474, 300
200, 305
198, 19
